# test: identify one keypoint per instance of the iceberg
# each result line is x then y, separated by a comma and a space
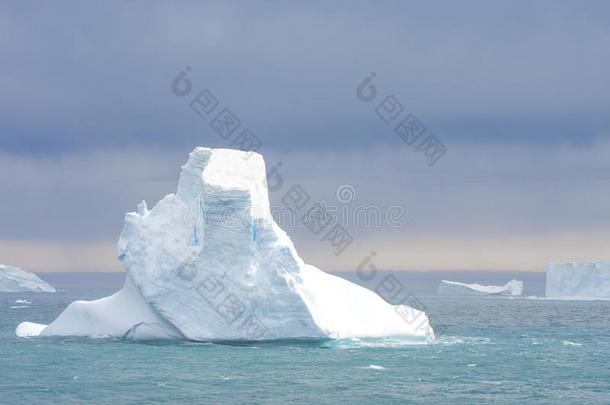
209, 263
512, 288
14, 279
578, 281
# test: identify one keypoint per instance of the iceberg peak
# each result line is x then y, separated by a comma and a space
142, 209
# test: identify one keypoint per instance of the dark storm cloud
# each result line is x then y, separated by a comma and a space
77, 75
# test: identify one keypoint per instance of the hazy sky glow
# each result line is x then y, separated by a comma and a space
519, 93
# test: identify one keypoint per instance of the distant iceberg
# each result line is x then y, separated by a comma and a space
512, 288
210, 264
578, 281
14, 279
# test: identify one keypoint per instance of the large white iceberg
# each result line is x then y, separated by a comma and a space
580, 281
210, 264
14, 279
512, 288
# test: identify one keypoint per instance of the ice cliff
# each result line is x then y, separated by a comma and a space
512, 288
209, 264
14, 279
581, 281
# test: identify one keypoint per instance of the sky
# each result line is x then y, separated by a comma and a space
517, 93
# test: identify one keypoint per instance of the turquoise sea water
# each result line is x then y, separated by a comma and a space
490, 350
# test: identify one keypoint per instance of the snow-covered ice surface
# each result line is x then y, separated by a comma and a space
210, 264
14, 279
512, 288
123, 314
578, 281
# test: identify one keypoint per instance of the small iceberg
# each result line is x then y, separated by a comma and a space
512, 288
578, 281
14, 279
375, 367
22, 302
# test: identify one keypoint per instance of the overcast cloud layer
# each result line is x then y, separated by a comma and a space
518, 93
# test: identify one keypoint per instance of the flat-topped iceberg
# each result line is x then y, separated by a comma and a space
579, 281
14, 279
210, 264
512, 288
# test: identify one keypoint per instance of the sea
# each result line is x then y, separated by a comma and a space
488, 350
